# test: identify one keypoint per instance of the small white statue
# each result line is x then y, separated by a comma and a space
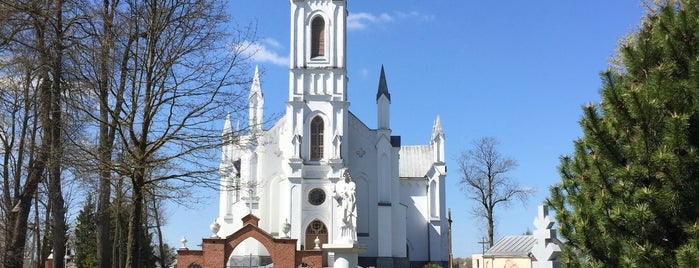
344, 193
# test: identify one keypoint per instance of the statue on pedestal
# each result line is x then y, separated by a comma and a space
344, 193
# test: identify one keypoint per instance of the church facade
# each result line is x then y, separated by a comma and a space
289, 175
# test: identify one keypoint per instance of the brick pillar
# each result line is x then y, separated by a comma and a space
214, 252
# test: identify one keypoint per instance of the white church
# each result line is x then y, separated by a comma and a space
322, 176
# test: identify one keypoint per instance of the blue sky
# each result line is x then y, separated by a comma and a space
518, 71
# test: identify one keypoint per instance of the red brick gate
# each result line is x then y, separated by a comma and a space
216, 251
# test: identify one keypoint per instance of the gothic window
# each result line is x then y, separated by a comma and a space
316, 196
317, 138
316, 229
317, 37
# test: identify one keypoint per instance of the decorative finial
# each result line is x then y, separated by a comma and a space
286, 227
437, 127
227, 128
215, 227
184, 242
317, 242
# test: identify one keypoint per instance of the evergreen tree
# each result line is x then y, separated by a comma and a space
86, 236
147, 258
119, 220
629, 196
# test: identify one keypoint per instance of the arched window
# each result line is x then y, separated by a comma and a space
317, 37
317, 127
316, 229
434, 209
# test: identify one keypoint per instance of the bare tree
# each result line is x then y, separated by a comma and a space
22, 169
483, 179
152, 77
183, 69
160, 72
33, 40
102, 65
26, 126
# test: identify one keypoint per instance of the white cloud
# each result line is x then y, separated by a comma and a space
272, 42
265, 51
363, 20
415, 15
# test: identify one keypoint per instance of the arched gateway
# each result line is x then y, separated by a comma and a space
215, 252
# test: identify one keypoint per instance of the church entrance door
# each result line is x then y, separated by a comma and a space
316, 229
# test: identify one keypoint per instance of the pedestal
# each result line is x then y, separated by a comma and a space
346, 255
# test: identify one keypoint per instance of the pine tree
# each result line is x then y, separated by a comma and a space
629, 195
86, 236
147, 258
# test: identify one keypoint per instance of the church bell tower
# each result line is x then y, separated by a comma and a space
317, 104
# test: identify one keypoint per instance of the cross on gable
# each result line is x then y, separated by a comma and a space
543, 221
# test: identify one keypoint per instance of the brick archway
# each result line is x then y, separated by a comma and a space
216, 251
282, 251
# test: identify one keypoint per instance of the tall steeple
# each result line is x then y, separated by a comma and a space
318, 46
317, 105
256, 102
383, 103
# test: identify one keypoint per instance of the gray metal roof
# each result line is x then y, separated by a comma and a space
415, 161
512, 246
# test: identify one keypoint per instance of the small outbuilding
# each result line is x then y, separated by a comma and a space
540, 250
510, 252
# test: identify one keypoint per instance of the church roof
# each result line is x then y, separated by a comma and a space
512, 246
415, 161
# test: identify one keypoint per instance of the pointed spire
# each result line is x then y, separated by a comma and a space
256, 102
227, 129
256, 87
437, 141
383, 88
437, 127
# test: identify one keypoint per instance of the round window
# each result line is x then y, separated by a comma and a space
316, 196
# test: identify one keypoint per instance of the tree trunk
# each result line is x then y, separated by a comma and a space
490, 228
161, 246
55, 192
18, 217
104, 257
39, 246
14, 254
133, 258
117, 248
16, 220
